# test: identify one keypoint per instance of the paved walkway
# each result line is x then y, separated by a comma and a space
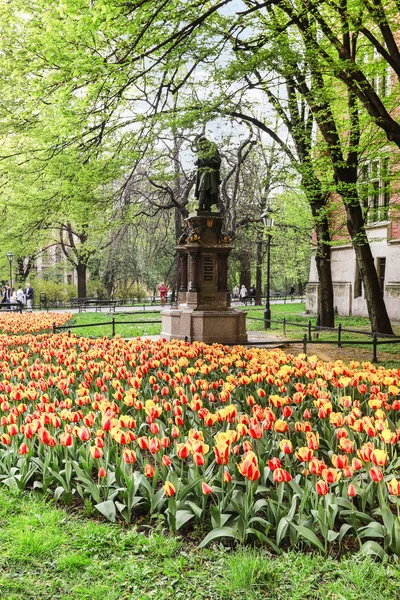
151, 308
255, 338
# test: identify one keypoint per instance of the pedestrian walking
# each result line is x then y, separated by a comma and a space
13, 299
6, 296
20, 298
29, 295
252, 292
162, 290
243, 294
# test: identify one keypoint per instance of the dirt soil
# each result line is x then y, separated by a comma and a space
329, 352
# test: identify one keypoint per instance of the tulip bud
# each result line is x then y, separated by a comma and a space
23, 449
351, 491
102, 473
96, 452
149, 471
206, 488
227, 477
169, 489
166, 461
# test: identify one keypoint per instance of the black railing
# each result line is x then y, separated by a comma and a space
113, 323
377, 338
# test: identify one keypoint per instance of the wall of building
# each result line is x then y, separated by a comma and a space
385, 243
52, 261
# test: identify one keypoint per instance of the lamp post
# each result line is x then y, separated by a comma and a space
10, 257
268, 224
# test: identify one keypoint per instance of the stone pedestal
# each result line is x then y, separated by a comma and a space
204, 313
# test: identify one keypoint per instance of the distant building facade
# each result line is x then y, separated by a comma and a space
383, 229
52, 264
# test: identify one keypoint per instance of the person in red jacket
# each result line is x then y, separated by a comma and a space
162, 290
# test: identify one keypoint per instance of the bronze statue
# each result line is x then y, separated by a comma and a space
207, 181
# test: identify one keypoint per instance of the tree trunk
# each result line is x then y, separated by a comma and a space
258, 274
380, 322
81, 272
326, 315
178, 232
245, 269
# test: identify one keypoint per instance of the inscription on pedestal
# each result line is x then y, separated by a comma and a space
208, 268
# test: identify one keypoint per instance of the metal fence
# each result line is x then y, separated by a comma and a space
113, 323
376, 338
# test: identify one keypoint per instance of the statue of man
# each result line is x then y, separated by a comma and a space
207, 181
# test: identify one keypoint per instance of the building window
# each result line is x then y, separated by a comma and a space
58, 254
69, 279
374, 190
385, 184
358, 283
381, 268
380, 73
46, 256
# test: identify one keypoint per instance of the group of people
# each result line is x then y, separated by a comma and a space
13, 299
242, 295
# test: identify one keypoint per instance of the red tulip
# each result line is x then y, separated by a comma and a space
376, 474
149, 471
154, 445
281, 475
66, 439
206, 488
286, 446
227, 477
304, 454
379, 457
221, 451
96, 452
351, 491
274, 463
169, 489
182, 451
23, 449
102, 473
199, 459
129, 456
321, 487
330, 475
394, 487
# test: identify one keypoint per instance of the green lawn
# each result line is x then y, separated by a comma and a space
291, 311
295, 313
124, 330
49, 554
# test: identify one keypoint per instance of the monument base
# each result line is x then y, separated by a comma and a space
222, 327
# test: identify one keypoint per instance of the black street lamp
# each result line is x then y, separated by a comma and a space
10, 257
268, 224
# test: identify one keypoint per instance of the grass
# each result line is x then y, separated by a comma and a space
125, 330
49, 554
295, 313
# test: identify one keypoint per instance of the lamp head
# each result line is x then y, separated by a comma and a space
267, 219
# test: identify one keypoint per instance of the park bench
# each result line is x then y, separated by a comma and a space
94, 303
11, 307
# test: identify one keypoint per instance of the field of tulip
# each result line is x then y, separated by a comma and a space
15, 323
253, 444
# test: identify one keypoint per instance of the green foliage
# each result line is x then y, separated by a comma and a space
55, 291
84, 559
